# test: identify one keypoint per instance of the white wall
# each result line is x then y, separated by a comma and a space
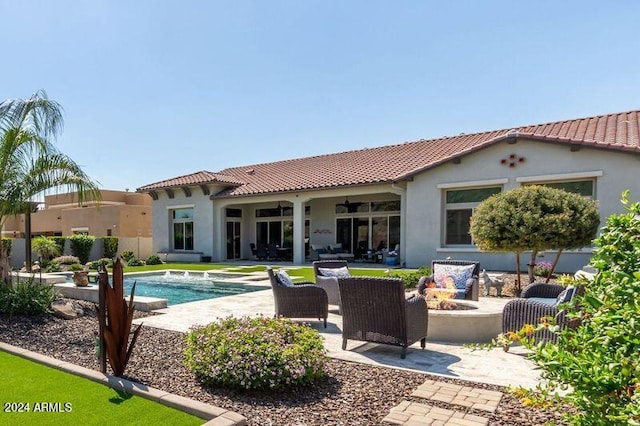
425, 209
202, 220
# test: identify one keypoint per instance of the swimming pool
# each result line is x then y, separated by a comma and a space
187, 287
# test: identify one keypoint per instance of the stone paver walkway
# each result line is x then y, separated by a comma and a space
461, 398
479, 399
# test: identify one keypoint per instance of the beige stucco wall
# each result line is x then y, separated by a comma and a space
125, 214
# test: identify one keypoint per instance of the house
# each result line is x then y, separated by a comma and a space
417, 196
119, 214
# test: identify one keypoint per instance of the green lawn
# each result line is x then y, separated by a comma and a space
78, 401
300, 273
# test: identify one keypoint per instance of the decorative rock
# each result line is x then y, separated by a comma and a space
65, 309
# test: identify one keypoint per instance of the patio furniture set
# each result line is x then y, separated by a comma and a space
376, 309
373, 309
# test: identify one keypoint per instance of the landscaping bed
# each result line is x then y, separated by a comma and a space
350, 394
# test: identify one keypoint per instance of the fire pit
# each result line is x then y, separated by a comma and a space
464, 321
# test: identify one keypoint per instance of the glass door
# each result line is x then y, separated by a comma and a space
233, 240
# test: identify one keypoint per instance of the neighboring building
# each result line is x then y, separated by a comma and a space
119, 214
417, 195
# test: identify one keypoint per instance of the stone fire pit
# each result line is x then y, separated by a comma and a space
477, 322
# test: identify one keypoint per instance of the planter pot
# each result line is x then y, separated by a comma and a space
81, 278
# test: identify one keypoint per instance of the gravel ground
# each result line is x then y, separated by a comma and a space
350, 394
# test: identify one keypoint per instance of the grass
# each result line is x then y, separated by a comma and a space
78, 401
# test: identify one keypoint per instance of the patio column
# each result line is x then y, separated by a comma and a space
298, 231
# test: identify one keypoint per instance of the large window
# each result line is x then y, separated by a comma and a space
182, 229
459, 205
362, 226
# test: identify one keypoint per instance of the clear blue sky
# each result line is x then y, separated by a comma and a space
157, 89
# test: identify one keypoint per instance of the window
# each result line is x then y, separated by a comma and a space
459, 205
582, 187
368, 225
182, 229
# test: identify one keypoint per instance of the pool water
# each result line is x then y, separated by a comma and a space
180, 289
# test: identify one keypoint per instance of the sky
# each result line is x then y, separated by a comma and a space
155, 89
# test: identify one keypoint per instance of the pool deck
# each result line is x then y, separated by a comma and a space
444, 359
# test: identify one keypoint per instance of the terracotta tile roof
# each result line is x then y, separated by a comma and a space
196, 178
620, 131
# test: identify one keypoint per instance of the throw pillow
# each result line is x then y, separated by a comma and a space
321, 251
335, 272
565, 296
458, 273
284, 279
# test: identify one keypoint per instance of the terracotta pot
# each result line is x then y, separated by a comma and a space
81, 278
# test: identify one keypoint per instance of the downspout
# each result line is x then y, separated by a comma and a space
403, 221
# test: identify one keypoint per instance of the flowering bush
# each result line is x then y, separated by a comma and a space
255, 353
66, 260
542, 268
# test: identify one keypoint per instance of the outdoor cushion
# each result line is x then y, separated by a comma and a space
335, 272
565, 296
549, 301
458, 273
321, 250
284, 279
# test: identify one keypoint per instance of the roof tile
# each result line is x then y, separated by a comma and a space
618, 131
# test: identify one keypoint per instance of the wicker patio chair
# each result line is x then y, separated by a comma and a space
471, 289
303, 300
537, 300
376, 310
329, 283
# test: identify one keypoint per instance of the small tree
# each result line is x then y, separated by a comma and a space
46, 248
598, 361
534, 218
81, 246
110, 245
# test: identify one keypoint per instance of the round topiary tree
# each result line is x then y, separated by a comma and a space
598, 362
534, 218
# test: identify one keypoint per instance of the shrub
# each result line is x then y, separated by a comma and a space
154, 259
255, 353
542, 268
66, 260
6, 245
75, 267
597, 362
52, 266
81, 246
127, 255
135, 262
110, 247
411, 278
60, 241
98, 264
26, 298
45, 247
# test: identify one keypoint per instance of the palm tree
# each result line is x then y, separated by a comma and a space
30, 165
46, 248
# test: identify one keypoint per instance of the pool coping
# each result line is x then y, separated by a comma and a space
212, 415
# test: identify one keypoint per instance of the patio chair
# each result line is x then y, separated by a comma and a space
261, 252
463, 272
327, 273
303, 300
376, 310
273, 252
540, 300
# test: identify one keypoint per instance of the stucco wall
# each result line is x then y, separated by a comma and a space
425, 209
202, 220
